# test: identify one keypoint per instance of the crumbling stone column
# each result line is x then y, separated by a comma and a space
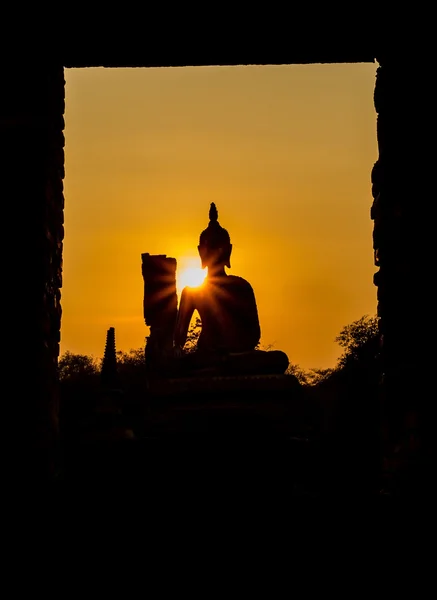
32, 172
160, 309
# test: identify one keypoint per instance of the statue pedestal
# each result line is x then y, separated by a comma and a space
220, 385
237, 406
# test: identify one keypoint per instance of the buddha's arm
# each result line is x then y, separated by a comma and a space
252, 319
185, 312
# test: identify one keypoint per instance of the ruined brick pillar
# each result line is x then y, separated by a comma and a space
160, 309
398, 239
32, 172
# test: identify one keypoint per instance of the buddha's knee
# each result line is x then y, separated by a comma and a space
280, 360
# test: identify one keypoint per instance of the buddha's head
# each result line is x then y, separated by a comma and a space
215, 244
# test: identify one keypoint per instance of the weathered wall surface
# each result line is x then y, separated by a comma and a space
32, 150
398, 238
31, 144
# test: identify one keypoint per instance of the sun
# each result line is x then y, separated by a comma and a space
189, 274
192, 276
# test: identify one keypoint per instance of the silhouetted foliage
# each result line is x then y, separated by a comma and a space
360, 340
309, 377
193, 335
358, 368
131, 369
349, 402
130, 362
79, 377
300, 374
77, 367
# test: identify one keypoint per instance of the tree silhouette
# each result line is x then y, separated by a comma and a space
360, 340
77, 367
193, 335
131, 368
130, 361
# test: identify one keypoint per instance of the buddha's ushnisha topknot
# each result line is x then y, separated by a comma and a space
214, 236
213, 213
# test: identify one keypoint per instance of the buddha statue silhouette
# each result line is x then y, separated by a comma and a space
230, 329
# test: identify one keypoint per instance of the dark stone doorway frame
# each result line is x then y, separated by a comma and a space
32, 142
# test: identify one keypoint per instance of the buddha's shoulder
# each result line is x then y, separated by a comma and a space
240, 282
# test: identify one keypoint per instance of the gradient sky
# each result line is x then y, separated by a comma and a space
285, 152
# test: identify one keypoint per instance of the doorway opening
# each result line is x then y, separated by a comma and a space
285, 152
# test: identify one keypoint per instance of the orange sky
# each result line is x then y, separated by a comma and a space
285, 153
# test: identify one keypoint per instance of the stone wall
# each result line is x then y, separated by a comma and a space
32, 150
31, 144
397, 238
